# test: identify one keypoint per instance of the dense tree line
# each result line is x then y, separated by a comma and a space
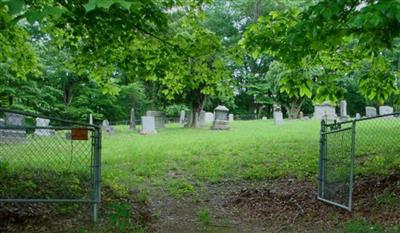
73, 58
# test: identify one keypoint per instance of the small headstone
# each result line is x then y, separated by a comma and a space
383, 110
370, 111
2, 122
358, 115
231, 117
306, 118
132, 124
264, 118
343, 111
182, 118
221, 121
90, 119
325, 111
278, 116
301, 115
10, 136
202, 119
158, 117
41, 122
209, 117
148, 125
105, 123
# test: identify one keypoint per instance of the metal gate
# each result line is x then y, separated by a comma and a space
49, 160
336, 163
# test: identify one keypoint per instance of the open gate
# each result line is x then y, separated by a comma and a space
336, 163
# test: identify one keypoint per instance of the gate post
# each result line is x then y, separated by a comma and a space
322, 144
353, 145
97, 172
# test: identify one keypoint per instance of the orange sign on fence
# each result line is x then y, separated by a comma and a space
79, 134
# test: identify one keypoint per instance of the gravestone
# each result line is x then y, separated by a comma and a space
325, 111
358, 115
105, 125
343, 111
10, 136
202, 119
40, 122
264, 118
221, 121
90, 119
148, 125
370, 111
301, 115
278, 116
132, 123
2, 122
383, 110
209, 117
231, 118
158, 118
182, 118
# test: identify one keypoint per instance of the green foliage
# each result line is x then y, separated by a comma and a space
204, 216
362, 226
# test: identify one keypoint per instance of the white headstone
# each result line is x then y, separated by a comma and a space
264, 118
158, 117
278, 118
209, 117
231, 117
90, 119
148, 125
370, 111
343, 110
383, 110
358, 116
40, 122
182, 117
325, 111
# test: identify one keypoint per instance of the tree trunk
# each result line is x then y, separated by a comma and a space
197, 107
294, 108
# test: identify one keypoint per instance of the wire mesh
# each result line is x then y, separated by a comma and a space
371, 144
48, 160
336, 165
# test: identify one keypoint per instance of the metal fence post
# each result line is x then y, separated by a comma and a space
353, 145
97, 173
321, 159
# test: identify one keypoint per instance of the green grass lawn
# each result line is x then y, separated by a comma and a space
181, 158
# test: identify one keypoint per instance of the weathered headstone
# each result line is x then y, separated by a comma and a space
383, 110
41, 122
370, 111
209, 117
202, 119
90, 119
132, 124
325, 111
231, 118
182, 118
158, 117
10, 136
301, 115
278, 116
343, 111
148, 125
264, 118
358, 115
221, 121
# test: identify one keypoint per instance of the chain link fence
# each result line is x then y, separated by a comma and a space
48, 160
360, 147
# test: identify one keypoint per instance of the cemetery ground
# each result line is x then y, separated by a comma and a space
256, 177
